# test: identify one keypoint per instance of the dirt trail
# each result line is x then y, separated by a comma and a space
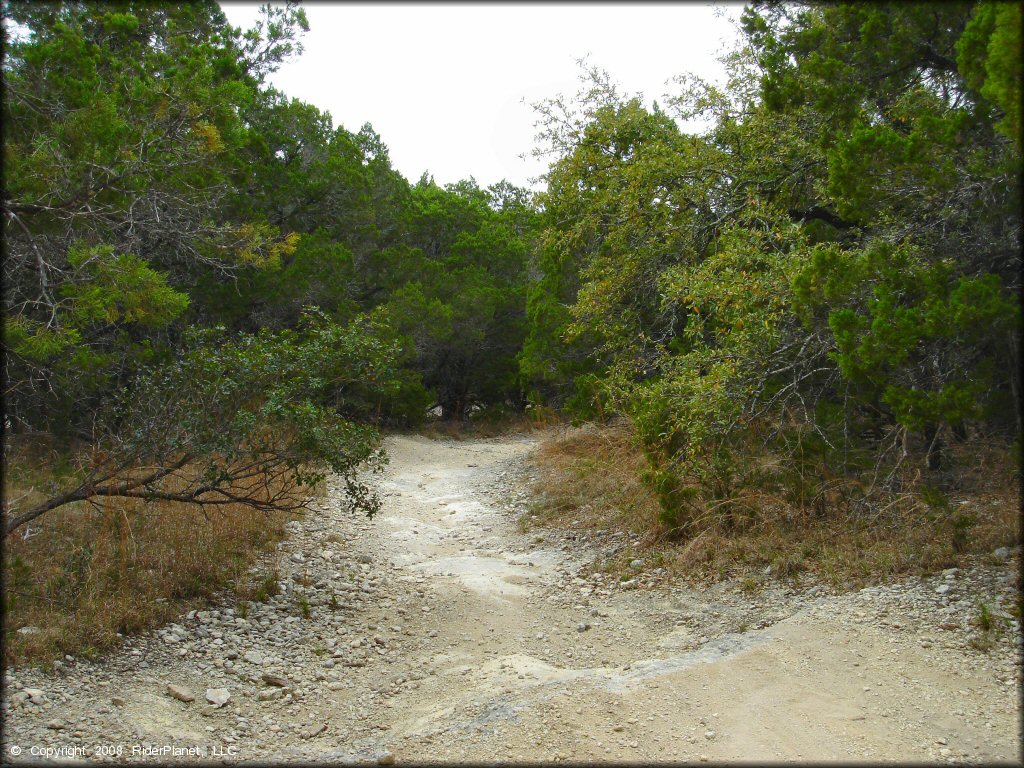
440, 632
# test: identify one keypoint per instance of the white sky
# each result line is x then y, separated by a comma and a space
449, 87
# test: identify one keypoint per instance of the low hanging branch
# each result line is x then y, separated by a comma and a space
239, 421
271, 486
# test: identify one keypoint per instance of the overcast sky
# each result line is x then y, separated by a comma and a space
449, 87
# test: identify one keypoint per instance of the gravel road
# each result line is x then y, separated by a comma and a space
439, 632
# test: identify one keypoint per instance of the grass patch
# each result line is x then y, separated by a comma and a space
84, 575
592, 474
590, 478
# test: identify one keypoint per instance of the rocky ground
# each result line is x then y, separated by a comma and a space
439, 632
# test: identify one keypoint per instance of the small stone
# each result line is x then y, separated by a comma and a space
253, 657
942, 589
180, 692
30, 630
582, 626
35, 694
364, 558
709, 735
218, 696
385, 758
55, 725
117, 701
270, 694
313, 730
945, 752
617, 728
275, 680
942, 741
1003, 553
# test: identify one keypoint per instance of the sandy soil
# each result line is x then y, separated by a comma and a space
460, 638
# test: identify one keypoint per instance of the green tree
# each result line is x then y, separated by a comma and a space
838, 253
456, 291
120, 122
915, 98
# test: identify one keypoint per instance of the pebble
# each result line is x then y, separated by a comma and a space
218, 696
181, 693
275, 680
385, 758
313, 730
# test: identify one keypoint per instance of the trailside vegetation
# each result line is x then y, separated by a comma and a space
806, 307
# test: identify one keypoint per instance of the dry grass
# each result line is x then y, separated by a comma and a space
591, 478
86, 573
593, 474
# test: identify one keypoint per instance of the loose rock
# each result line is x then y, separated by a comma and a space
180, 692
218, 696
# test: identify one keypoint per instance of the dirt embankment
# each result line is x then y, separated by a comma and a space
440, 632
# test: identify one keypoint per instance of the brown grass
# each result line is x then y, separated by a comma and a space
590, 478
593, 473
86, 573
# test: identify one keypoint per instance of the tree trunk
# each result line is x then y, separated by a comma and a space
453, 410
933, 454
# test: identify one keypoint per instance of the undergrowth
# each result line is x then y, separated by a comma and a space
491, 422
592, 477
82, 576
